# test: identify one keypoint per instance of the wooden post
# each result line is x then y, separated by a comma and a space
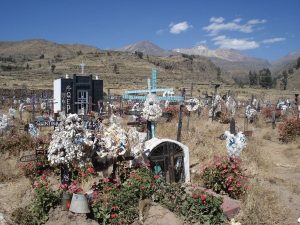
180, 118
273, 119
213, 100
188, 121
33, 109
232, 126
65, 174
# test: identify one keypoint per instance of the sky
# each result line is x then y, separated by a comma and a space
266, 29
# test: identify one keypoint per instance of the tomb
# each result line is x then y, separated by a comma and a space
169, 159
79, 94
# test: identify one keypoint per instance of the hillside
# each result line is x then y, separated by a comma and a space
34, 49
118, 69
294, 81
285, 63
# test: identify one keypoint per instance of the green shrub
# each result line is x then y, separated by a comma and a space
225, 175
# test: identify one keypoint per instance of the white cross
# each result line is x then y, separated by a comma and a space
82, 65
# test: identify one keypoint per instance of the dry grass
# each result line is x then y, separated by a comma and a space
261, 206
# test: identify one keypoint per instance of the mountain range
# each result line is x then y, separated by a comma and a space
229, 60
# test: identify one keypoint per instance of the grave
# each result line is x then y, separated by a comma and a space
168, 159
77, 95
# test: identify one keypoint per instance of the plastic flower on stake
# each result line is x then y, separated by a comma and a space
68, 140
235, 143
114, 140
192, 104
151, 110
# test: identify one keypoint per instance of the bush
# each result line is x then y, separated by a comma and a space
44, 200
289, 129
116, 203
16, 144
267, 112
225, 175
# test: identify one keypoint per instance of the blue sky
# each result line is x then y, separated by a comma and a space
260, 28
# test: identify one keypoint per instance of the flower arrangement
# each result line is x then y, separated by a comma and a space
235, 143
225, 175
67, 143
192, 104
151, 110
250, 113
114, 139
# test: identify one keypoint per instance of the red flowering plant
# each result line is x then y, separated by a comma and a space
267, 112
198, 208
289, 129
225, 175
116, 203
44, 199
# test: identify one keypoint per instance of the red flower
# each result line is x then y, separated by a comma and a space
156, 176
230, 189
224, 166
195, 196
91, 170
114, 207
235, 171
106, 180
148, 165
203, 198
114, 215
233, 166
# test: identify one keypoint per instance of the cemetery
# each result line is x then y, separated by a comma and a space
79, 155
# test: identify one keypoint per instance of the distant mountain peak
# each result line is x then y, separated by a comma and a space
146, 47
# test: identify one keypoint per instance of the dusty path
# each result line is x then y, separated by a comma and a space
282, 174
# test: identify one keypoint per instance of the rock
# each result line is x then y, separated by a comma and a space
2, 219
59, 217
157, 215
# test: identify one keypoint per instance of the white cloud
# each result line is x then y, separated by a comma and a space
160, 31
216, 19
203, 42
234, 43
237, 20
273, 40
256, 21
179, 27
217, 25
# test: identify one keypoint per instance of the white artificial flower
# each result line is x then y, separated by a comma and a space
235, 143
192, 104
151, 110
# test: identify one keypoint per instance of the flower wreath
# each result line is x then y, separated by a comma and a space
192, 104
151, 110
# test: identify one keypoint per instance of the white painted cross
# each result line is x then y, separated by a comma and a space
82, 65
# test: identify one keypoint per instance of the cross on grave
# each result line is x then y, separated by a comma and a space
134, 95
82, 65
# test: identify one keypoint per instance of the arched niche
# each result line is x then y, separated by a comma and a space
169, 159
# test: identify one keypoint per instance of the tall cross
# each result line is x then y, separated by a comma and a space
82, 65
132, 95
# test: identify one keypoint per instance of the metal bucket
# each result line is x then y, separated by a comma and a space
79, 204
66, 201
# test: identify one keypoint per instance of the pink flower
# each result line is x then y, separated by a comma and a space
195, 196
156, 176
230, 189
114, 215
106, 180
203, 198
91, 170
